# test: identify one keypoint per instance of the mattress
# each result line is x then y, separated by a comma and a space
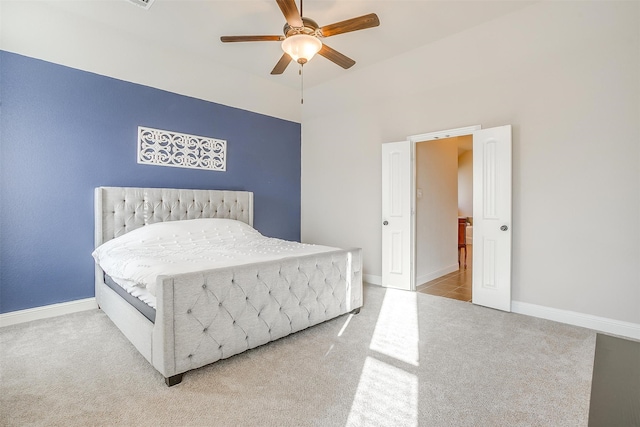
145, 309
136, 259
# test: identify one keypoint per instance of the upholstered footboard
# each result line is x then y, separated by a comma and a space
211, 315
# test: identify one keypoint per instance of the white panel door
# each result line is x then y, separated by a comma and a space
397, 246
492, 217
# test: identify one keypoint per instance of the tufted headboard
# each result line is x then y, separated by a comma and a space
119, 210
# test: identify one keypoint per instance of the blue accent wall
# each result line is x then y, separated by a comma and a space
64, 132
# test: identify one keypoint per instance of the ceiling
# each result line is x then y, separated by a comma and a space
195, 26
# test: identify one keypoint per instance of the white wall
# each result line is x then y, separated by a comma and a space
437, 209
465, 184
47, 31
565, 75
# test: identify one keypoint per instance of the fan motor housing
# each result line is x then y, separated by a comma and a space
310, 27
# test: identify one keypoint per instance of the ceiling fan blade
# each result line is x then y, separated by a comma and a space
290, 12
229, 39
354, 24
282, 64
335, 56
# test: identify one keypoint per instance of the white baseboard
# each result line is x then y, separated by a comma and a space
602, 324
436, 274
53, 310
377, 280
372, 280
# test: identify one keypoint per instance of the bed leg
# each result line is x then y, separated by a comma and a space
173, 380
355, 311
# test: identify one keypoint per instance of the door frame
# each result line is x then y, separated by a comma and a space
415, 139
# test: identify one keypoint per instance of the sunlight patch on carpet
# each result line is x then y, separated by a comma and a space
396, 333
386, 396
344, 327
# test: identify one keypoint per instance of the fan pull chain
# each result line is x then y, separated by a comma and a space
300, 70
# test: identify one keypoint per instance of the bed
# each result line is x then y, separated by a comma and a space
204, 316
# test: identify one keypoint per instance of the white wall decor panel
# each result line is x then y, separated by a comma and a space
166, 148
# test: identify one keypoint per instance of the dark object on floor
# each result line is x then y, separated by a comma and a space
615, 389
462, 239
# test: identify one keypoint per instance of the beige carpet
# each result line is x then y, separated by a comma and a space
407, 359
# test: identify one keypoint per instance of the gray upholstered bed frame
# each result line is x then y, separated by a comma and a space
211, 315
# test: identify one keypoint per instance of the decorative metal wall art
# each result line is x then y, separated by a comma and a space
181, 150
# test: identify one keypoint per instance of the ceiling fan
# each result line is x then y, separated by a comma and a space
302, 37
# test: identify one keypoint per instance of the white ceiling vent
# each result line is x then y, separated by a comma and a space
145, 4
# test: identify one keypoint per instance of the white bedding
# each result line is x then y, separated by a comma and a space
135, 259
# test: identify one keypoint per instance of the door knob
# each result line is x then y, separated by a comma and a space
504, 228
385, 223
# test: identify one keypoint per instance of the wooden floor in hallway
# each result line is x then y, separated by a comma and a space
456, 285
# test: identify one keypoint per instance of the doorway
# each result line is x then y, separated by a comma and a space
444, 217
491, 277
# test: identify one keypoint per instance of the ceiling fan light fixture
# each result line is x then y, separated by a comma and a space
301, 47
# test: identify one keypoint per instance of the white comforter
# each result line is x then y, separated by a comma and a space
137, 258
